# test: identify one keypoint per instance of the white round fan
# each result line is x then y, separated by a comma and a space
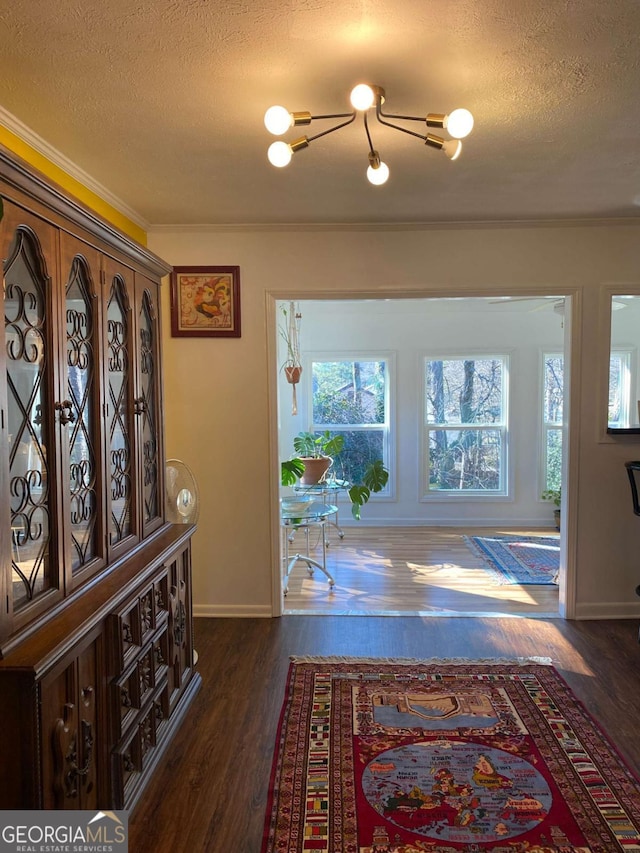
182, 500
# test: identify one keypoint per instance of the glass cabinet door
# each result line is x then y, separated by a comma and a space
120, 463
81, 371
31, 411
81, 436
148, 408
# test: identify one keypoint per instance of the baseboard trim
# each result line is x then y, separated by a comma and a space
612, 610
608, 610
455, 521
233, 611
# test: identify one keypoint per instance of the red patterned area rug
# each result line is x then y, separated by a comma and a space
443, 756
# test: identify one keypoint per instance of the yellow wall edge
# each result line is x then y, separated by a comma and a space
71, 185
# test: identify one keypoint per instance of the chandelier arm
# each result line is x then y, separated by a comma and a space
334, 115
366, 127
392, 115
331, 129
397, 127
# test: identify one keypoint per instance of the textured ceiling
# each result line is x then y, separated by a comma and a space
162, 102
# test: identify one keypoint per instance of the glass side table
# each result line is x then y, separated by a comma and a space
326, 491
296, 515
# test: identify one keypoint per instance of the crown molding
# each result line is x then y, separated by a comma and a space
29, 137
20, 182
212, 228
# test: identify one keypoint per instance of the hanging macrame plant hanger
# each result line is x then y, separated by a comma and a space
292, 366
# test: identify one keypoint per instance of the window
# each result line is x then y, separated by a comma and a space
618, 415
553, 392
351, 397
465, 427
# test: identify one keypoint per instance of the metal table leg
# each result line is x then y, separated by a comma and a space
335, 523
312, 564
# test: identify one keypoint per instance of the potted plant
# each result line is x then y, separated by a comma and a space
312, 448
555, 496
316, 452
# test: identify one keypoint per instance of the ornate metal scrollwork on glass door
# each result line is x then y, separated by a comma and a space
30, 415
119, 364
81, 371
147, 410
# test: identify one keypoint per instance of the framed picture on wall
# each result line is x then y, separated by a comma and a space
205, 302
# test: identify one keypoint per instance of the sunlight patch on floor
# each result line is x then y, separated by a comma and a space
436, 571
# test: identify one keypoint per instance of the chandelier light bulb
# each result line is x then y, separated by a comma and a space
278, 120
378, 176
362, 97
279, 154
452, 148
459, 123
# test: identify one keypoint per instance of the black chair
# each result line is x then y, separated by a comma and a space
633, 470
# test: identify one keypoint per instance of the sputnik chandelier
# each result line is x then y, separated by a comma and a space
364, 97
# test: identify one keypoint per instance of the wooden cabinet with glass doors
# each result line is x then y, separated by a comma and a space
82, 525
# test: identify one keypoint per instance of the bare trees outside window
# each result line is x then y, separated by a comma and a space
465, 424
619, 413
350, 397
553, 393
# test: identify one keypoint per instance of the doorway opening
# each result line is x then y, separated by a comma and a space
477, 467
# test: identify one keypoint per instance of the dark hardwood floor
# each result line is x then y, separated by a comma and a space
210, 793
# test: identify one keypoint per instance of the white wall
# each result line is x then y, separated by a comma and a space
407, 330
220, 394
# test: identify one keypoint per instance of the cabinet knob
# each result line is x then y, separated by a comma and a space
66, 412
139, 406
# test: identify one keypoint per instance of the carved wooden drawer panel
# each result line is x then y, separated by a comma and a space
141, 683
138, 620
161, 654
161, 711
138, 749
127, 768
161, 597
131, 691
129, 634
127, 699
180, 639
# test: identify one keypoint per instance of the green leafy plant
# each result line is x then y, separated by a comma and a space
313, 446
553, 495
290, 471
375, 478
